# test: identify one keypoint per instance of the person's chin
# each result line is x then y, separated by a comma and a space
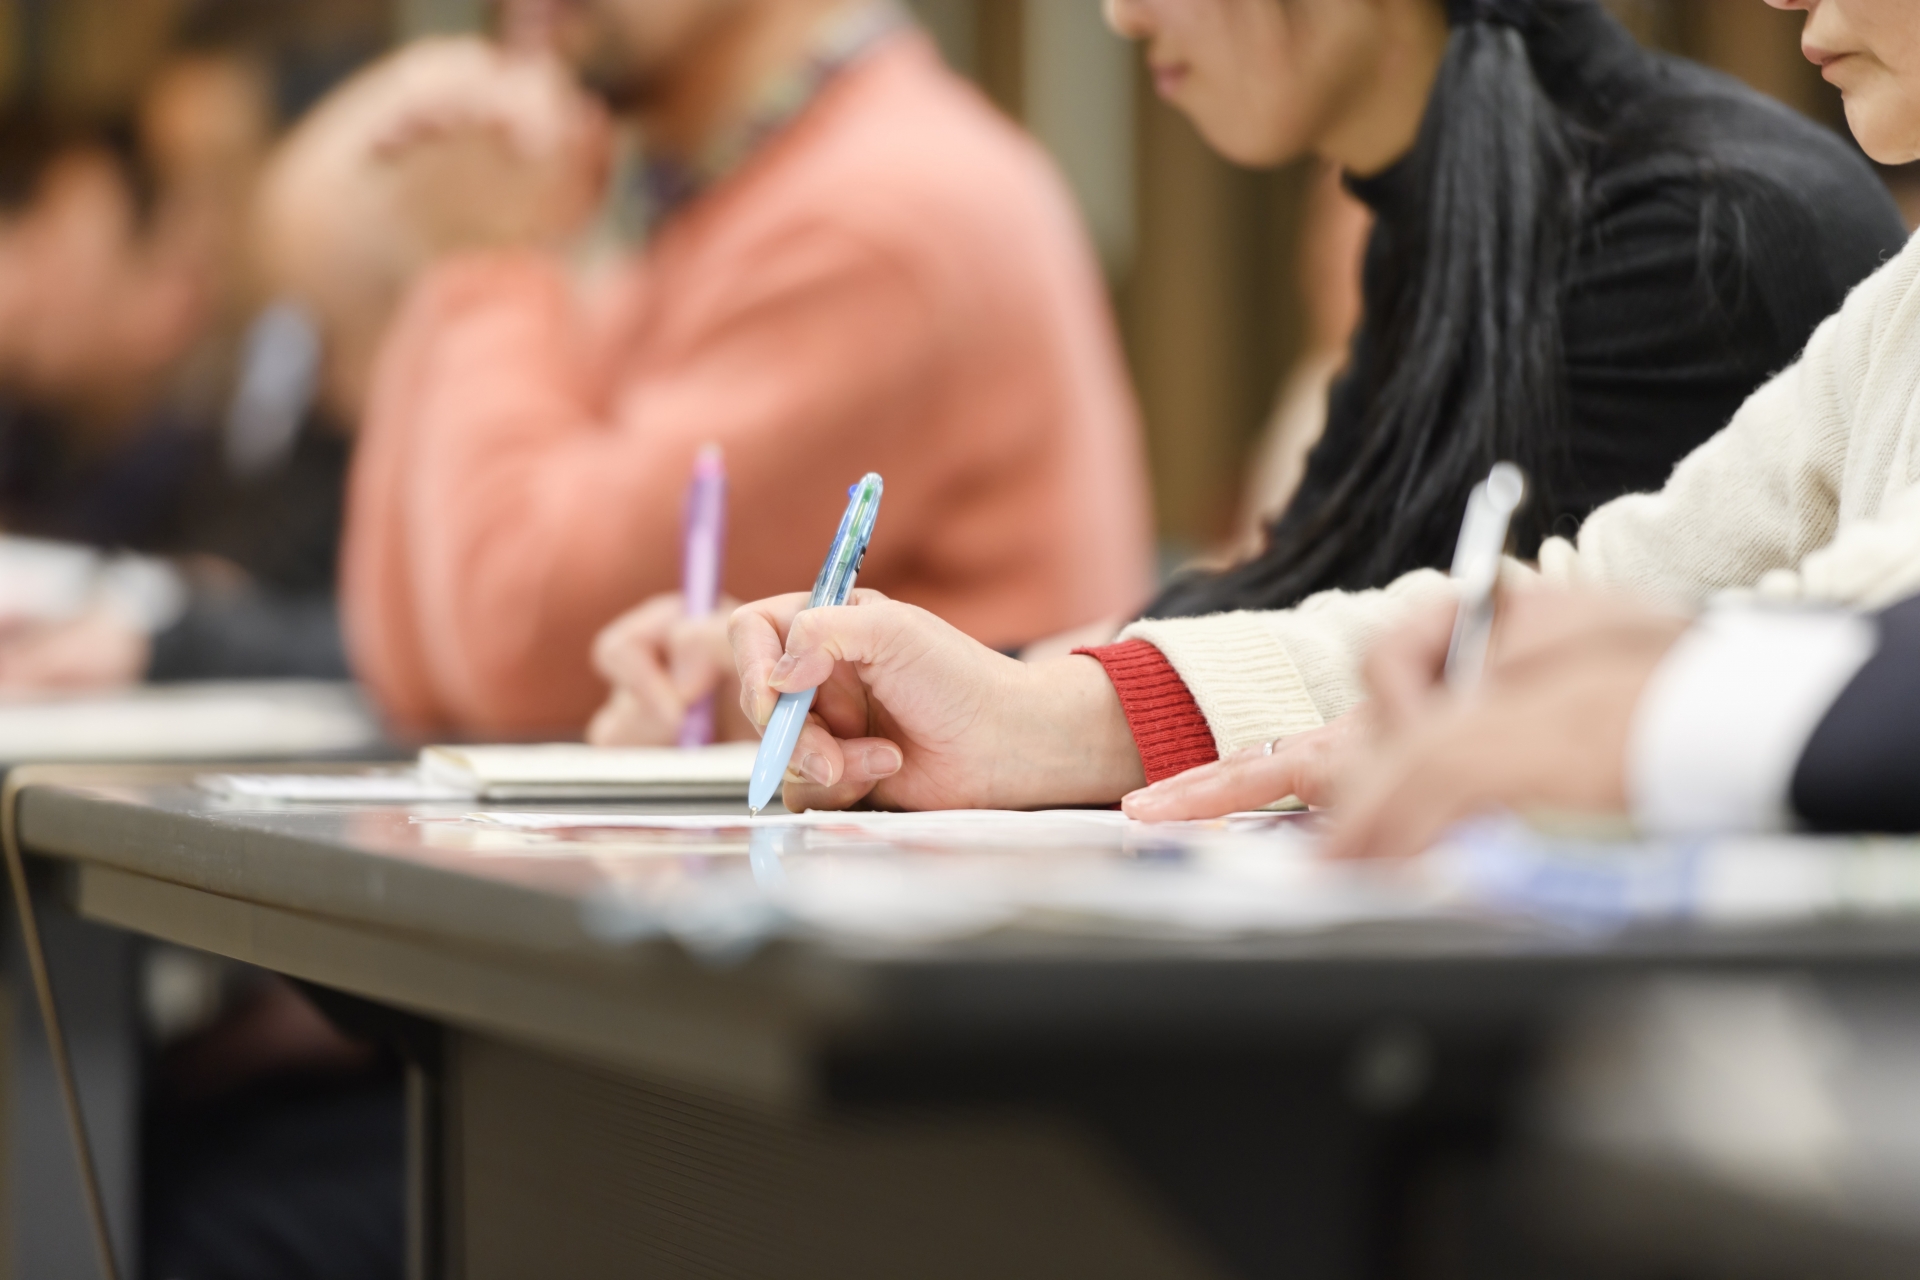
1246, 149
1888, 131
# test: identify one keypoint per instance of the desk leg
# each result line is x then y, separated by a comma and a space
425, 1173
45, 1230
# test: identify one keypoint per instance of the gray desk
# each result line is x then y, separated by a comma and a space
1012, 1105
43, 1227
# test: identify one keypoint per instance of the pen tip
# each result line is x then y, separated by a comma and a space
755, 812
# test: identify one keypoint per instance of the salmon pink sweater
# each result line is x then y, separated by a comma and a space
896, 282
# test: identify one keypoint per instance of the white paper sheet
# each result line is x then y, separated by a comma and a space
574, 771
946, 818
402, 786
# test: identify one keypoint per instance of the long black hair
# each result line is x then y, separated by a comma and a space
1468, 343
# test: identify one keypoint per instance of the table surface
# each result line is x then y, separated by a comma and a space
386, 868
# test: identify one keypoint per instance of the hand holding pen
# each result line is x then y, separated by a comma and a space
833, 588
668, 659
658, 662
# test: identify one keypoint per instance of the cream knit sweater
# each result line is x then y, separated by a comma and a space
1812, 492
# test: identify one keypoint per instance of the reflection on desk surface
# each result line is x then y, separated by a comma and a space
599, 879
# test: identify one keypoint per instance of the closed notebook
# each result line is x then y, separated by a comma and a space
571, 771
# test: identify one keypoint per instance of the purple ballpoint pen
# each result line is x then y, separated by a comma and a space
706, 530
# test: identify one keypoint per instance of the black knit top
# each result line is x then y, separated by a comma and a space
1698, 271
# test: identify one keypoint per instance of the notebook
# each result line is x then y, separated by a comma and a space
572, 771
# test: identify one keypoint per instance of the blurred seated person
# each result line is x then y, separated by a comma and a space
829, 255
1747, 718
123, 293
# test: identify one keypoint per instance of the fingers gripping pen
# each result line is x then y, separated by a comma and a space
833, 587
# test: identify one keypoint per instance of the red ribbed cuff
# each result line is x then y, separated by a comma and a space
1167, 726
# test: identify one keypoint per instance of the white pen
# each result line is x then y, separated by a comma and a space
1476, 567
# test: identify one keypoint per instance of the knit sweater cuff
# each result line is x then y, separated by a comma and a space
1240, 675
1167, 726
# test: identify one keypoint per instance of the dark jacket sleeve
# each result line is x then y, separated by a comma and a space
1861, 768
252, 635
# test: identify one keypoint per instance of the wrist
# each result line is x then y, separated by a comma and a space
1076, 746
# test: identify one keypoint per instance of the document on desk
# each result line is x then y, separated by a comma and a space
971, 819
720, 883
971, 827
372, 786
226, 720
574, 771
548, 771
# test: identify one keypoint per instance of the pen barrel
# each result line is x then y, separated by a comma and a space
703, 534
696, 729
700, 564
776, 747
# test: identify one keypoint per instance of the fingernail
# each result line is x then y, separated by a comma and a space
782, 669
813, 767
882, 762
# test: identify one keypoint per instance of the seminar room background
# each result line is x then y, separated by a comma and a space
1203, 259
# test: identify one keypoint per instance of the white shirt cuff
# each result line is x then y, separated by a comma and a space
148, 594
1727, 714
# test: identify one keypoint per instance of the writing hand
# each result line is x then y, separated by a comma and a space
912, 713
660, 662
1546, 729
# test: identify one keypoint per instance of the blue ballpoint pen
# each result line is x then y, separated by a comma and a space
832, 587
